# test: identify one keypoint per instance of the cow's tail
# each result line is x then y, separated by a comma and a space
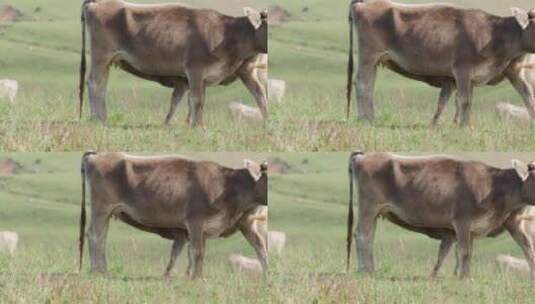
83, 212
350, 214
83, 64
350, 63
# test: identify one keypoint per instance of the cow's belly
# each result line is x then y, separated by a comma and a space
418, 66
415, 217
157, 216
155, 65
154, 215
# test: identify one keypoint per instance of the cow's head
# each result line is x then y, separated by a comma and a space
527, 173
260, 24
260, 176
526, 20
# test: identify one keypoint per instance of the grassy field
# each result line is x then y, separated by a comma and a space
43, 206
310, 205
309, 52
42, 52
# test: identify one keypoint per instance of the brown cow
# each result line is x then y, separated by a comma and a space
179, 199
436, 43
441, 197
176, 46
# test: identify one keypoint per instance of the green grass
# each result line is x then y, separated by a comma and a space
311, 207
43, 206
42, 52
309, 204
309, 52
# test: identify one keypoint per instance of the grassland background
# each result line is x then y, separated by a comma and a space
43, 206
310, 205
309, 52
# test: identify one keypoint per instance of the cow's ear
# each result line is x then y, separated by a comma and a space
521, 168
254, 169
521, 16
254, 16
264, 15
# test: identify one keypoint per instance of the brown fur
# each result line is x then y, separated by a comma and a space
179, 47
178, 199
441, 197
442, 45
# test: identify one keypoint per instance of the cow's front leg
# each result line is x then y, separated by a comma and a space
180, 89
178, 244
367, 73
196, 100
525, 241
250, 79
444, 249
464, 99
257, 241
97, 85
464, 248
365, 236
98, 231
457, 262
196, 250
443, 98
524, 88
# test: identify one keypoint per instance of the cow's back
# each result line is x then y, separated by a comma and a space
421, 39
162, 189
416, 188
153, 39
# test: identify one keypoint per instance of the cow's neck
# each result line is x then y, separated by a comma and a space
242, 43
508, 187
509, 45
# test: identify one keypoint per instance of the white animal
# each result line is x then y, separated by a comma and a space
8, 241
513, 264
276, 90
276, 241
8, 89
511, 112
240, 111
250, 266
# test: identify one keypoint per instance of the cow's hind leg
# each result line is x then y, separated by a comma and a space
97, 235
97, 85
178, 245
180, 89
257, 241
444, 97
367, 72
444, 249
365, 235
